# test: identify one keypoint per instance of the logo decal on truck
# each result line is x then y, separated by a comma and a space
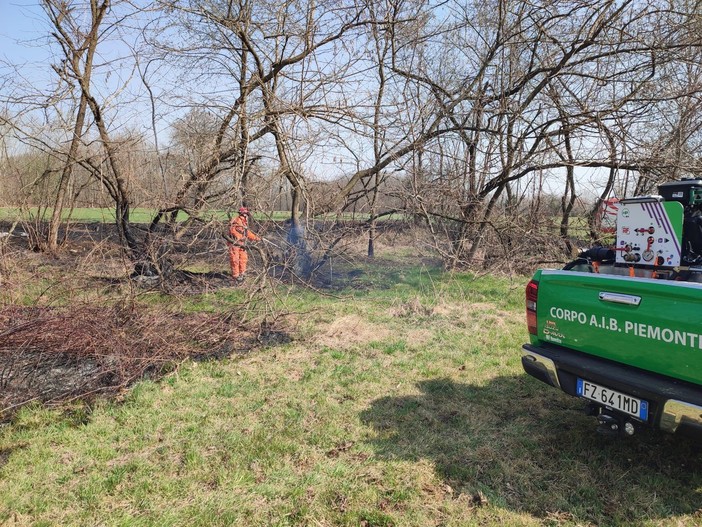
552, 333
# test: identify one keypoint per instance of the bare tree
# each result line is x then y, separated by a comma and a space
78, 46
600, 57
471, 105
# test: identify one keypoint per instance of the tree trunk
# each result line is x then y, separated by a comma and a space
89, 45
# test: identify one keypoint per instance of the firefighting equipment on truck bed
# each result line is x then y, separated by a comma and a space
657, 236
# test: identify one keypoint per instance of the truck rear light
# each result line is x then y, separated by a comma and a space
532, 292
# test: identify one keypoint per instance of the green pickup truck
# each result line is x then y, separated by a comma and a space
622, 327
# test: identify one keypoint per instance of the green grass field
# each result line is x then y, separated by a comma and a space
78, 214
142, 215
398, 401
137, 215
99, 215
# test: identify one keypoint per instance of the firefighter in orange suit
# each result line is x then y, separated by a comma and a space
240, 233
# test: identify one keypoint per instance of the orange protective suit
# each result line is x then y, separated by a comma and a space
239, 230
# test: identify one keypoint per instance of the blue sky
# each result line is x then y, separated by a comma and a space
27, 51
20, 25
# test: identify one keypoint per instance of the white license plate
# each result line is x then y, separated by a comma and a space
613, 399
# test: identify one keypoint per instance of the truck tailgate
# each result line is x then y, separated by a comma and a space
654, 325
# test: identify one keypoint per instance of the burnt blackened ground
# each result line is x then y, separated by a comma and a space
51, 355
80, 322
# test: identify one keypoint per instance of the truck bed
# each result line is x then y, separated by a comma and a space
652, 325
631, 347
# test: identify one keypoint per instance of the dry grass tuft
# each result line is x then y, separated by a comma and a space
411, 308
351, 330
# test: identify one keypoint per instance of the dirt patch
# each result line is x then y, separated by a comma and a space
351, 330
